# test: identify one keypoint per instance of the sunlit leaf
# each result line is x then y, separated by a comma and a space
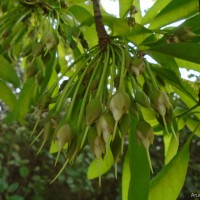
174, 11
125, 177
154, 10
106, 163
139, 166
124, 6
185, 51
169, 181
171, 147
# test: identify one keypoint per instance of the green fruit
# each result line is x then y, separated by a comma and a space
93, 111
124, 124
37, 49
119, 104
144, 132
105, 126
64, 135
137, 66
141, 98
99, 146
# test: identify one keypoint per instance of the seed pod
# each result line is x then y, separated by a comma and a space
185, 34
99, 146
51, 41
64, 135
119, 104
137, 66
145, 135
124, 124
37, 49
92, 134
142, 98
47, 129
93, 111
105, 126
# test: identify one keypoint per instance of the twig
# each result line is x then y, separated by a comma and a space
101, 32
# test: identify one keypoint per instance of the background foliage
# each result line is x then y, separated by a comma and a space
55, 58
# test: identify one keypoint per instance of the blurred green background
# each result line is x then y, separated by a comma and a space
25, 176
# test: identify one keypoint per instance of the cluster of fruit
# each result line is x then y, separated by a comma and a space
97, 101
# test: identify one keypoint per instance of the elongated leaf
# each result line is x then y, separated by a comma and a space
125, 178
185, 51
106, 163
22, 105
7, 72
168, 183
166, 61
192, 124
171, 147
138, 16
137, 34
175, 10
6, 95
139, 167
154, 10
188, 65
174, 80
81, 13
124, 6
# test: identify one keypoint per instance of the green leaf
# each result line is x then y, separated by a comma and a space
154, 10
24, 171
185, 51
188, 65
166, 61
174, 11
139, 166
192, 124
124, 6
6, 95
172, 78
22, 105
7, 72
137, 34
105, 164
13, 187
81, 13
168, 183
171, 147
125, 177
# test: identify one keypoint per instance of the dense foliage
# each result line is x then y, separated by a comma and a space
86, 80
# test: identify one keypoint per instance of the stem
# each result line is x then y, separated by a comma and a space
185, 112
153, 80
101, 32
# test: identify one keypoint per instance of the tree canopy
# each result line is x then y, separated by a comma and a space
104, 81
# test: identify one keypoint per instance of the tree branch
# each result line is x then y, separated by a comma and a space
101, 32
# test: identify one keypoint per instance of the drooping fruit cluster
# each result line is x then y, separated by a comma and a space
95, 104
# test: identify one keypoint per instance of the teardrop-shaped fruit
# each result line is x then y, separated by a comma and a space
124, 124
93, 111
99, 146
145, 133
137, 66
105, 126
64, 135
142, 98
92, 134
37, 49
119, 104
